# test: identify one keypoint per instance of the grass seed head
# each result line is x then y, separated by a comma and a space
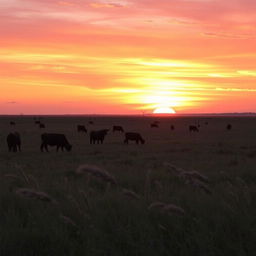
97, 172
39, 195
171, 208
156, 205
131, 194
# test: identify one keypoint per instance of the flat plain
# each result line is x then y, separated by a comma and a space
154, 207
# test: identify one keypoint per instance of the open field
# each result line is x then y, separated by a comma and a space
89, 216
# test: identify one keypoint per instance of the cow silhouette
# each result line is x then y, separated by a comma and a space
41, 126
118, 128
81, 128
55, 139
154, 125
14, 142
193, 128
229, 127
12, 123
172, 127
133, 136
98, 136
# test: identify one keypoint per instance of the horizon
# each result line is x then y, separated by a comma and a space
129, 57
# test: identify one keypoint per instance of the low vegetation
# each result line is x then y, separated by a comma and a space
178, 194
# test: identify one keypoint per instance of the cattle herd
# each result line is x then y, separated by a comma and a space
96, 137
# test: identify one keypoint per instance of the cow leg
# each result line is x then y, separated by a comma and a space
137, 141
57, 148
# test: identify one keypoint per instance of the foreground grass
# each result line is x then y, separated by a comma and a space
89, 216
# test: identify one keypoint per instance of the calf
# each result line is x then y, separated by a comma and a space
81, 128
14, 142
134, 136
98, 136
54, 139
193, 128
118, 128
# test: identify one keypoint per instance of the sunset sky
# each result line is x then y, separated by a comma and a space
127, 56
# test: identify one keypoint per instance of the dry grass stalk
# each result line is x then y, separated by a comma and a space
131, 194
171, 208
39, 195
97, 172
68, 220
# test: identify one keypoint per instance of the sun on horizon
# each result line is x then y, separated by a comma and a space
164, 110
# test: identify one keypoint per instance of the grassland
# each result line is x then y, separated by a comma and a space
88, 216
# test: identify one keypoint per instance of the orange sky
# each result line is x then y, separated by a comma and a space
127, 56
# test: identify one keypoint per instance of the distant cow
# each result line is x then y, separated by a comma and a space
37, 122
134, 136
98, 136
118, 128
172, 127
41, 126
81, 128
193, 128
229, 127
54, 139
12, 123
154, 125
14, 142
91, 122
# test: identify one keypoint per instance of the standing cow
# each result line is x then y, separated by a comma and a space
193, 128
14, 142
133, 136
118, 128
55, 139
98, 136
81, 128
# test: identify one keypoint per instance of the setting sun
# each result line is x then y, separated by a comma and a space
164, 110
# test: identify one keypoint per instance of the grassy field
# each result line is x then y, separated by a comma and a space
85, 215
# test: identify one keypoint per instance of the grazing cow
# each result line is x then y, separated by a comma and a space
172, 127
54, 139
118, 128
14, 142
12, 123
98, 136
81, 128
41, 126
229, 127
37, 122
133, 136
91, 122
154, 125
193, 128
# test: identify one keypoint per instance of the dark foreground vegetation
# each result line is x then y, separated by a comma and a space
180, 193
